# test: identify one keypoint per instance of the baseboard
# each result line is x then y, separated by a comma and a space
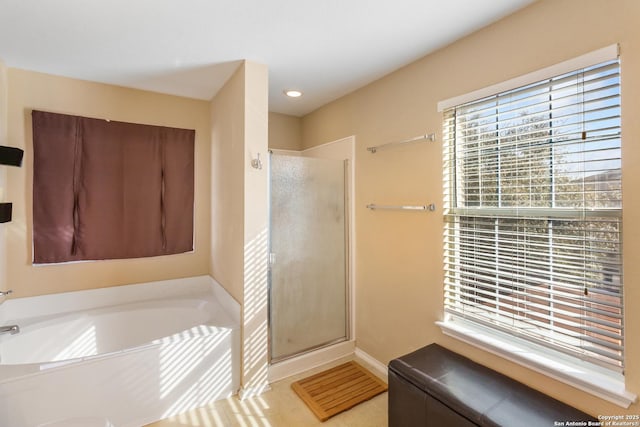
379, 368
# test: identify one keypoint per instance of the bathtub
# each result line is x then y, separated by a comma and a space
123, 356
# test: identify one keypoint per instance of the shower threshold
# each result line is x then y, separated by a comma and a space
312, 358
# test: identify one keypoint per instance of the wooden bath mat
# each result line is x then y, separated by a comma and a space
338, 389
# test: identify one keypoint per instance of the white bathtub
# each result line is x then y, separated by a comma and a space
122, 356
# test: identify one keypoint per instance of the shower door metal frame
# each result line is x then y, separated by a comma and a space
347, 269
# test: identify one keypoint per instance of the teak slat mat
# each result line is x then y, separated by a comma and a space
338, 389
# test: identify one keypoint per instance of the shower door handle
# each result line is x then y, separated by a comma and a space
272, 258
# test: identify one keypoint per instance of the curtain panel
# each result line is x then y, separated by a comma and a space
110, 190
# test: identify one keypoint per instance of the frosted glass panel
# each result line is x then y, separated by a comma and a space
308, 245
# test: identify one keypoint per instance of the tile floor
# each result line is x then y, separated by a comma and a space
279, 407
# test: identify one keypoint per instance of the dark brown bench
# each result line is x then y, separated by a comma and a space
434, 386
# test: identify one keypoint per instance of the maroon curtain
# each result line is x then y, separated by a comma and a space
105, 189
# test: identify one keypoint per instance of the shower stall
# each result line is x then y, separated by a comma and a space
309, 260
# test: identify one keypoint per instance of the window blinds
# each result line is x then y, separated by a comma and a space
533, 226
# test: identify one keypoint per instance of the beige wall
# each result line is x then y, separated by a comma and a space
399, 258
256, 222
239, 209
29, 90
285, 132
227, 185
4, 99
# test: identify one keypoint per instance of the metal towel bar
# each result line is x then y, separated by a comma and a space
428, 137
430, 207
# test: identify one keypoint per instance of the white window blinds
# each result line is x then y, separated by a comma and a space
534, 213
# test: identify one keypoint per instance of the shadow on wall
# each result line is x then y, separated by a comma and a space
255, 360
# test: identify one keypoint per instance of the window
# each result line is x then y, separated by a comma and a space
107, 190
533, 239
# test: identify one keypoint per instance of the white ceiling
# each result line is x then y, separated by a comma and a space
326, 48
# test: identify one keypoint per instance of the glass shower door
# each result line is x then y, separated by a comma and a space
308, 261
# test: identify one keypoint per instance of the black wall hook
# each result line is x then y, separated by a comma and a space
11, 156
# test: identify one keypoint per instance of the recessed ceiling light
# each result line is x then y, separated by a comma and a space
293, 93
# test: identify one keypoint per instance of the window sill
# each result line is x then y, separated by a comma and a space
546, 362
